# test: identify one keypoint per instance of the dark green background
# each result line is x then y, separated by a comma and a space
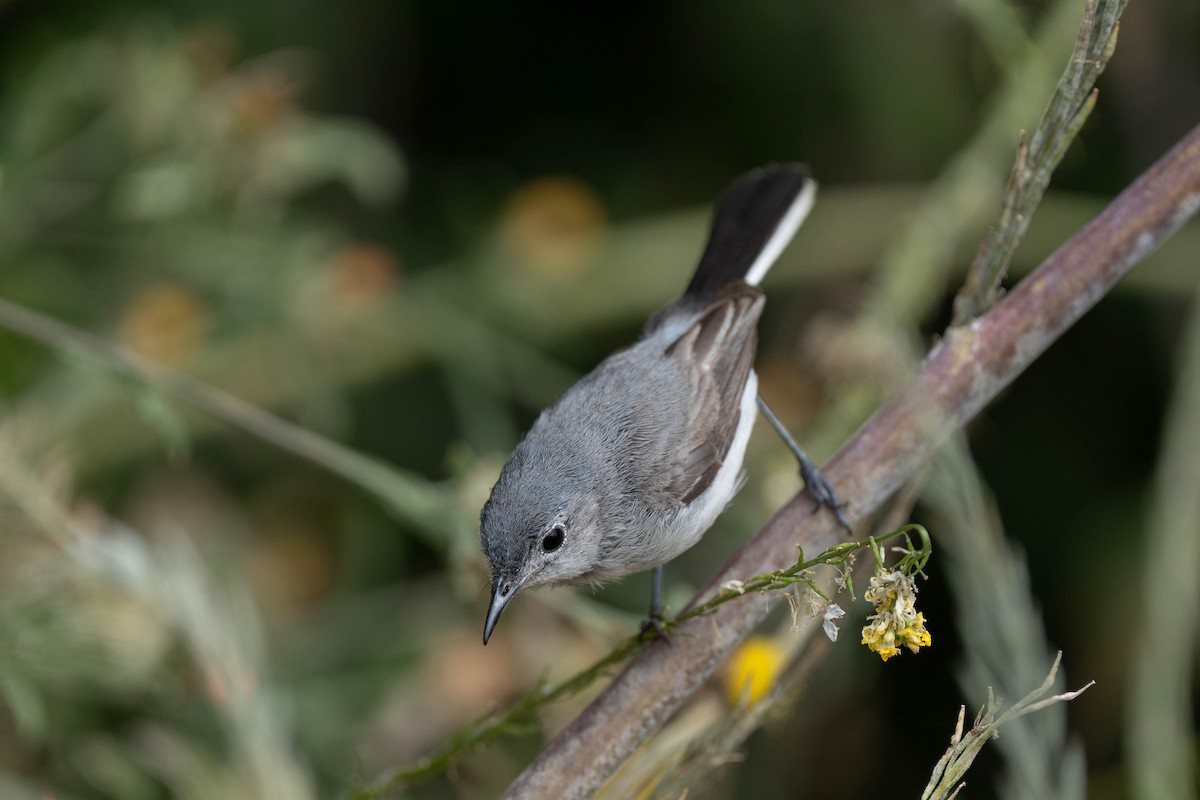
656, 107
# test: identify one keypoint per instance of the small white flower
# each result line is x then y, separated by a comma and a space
733, 586
832, 612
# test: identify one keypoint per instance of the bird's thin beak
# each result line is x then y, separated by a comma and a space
502, 592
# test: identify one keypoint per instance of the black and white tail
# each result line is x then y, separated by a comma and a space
755, 220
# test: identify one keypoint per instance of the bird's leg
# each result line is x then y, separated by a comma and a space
655, 621
819, 489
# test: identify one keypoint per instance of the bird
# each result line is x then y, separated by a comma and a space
633, 464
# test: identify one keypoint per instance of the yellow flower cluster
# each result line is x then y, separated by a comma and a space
896, 620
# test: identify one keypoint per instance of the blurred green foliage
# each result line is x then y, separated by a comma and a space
406, 227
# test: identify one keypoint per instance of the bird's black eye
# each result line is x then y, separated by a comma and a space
554, 539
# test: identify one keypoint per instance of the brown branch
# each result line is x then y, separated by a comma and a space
963, 373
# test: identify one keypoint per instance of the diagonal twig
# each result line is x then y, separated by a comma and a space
411, 497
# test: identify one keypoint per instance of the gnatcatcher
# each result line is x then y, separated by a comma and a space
634, 463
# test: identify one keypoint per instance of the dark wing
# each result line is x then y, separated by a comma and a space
717, 354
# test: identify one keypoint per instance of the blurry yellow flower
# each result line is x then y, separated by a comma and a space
551, 225
211, 48
165, 322
896, 621
753, 670
362, 276
291, 568
261, 99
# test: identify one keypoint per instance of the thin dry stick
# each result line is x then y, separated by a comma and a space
410, 496
948, 773
962, 374
1069, 108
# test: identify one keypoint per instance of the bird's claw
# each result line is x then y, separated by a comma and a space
822, 493
656, 624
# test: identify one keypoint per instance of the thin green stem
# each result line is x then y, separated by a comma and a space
518, 719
